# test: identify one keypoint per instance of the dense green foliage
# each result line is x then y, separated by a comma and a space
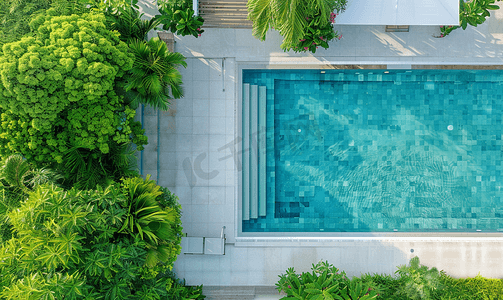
316, 35
324, 282
476, 288
17, 179
154, 78
69, 84
291, 18
414, 281
85, 169
73, 245
420, 282
473, 13
57, 90
178, 17
127, 21
179, 291
15, 15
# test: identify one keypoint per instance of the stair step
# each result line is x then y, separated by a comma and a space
262, 150
253, 151
246, 145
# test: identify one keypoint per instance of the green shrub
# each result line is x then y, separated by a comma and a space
85, 169
414, 282
177, 290
154, 78
317, 34
147, 220
17, 179
292, 19
178, 17
419, 282
69, 244
127, 21
476, 288
57, 90
15, 17
324, 282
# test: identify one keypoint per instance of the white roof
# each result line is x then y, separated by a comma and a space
400, 12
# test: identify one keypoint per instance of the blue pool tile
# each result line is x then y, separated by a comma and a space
376, 152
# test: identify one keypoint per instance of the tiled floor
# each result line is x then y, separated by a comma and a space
198, 141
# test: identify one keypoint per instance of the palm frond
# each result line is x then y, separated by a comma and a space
14, 171
175, 59
291, 13
127, 21
43, 175
260, 12
153, 74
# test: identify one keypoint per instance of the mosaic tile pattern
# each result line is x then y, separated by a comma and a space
369, 151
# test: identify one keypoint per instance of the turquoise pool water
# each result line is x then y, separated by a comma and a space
381, 150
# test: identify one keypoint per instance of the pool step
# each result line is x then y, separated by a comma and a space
254, 143
262, 150
246, 157
253, 151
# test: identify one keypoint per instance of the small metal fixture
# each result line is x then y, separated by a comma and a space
411, 250
397, 28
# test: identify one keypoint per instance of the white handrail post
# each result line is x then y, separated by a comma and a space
195, 7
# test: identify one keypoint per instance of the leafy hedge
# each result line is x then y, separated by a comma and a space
414, 281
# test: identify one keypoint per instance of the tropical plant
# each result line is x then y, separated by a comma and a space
17, 179
58, 90
177, 290
356, 290
316, 35
420, 282
127, 21
108, 5
85, 169
179, 17
473, 13
446, 30
154, 78
290, 17
324, 282
15, 15
147, 220
67, 245
474, 288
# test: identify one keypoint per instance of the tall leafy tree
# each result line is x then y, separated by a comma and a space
57, 90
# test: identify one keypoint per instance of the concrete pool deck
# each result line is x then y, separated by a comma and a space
191, 149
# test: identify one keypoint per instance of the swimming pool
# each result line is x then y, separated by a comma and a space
372, 151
